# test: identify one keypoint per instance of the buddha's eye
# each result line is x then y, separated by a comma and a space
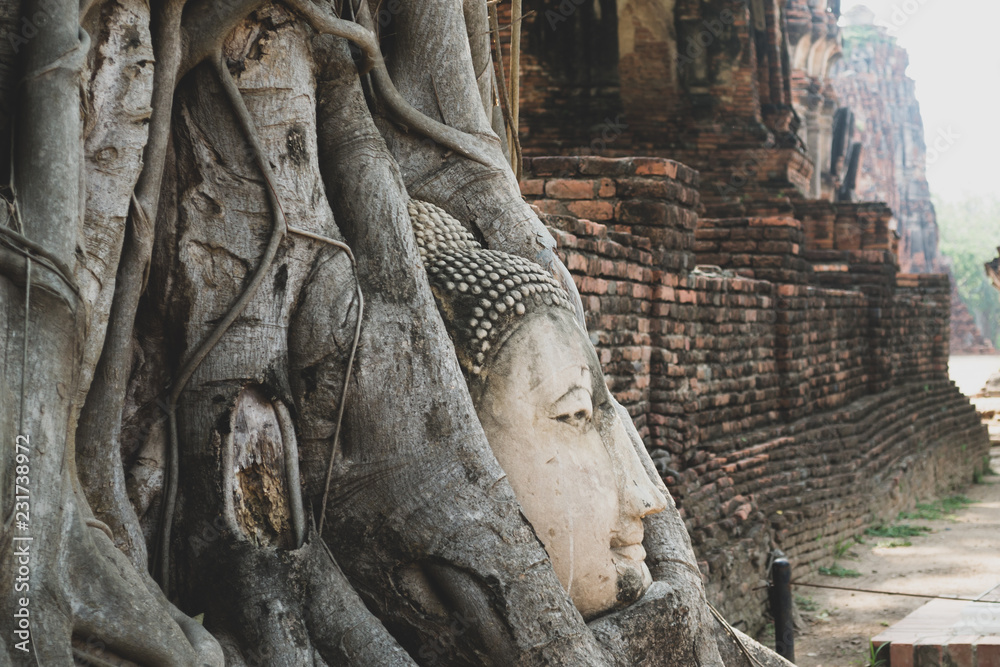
580, 418
575, 408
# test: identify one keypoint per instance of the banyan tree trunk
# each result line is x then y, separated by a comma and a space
237, 380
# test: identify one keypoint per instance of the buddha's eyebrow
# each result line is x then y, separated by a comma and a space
575, 389
537, 381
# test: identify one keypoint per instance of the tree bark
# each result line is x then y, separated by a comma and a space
120, 93
233, 188
443, 511
79, 583
431, 63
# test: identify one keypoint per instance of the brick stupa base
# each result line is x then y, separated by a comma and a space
946, 632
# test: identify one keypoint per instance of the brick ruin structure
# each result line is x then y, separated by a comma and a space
870, 80
701, 176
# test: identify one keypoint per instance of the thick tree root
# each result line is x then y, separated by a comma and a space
278, 230
99, 426
422, 500
739, 650
430, 61
277, 607
89, 590
467, 145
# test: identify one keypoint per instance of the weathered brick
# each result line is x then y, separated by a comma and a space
959, 651
532, 187
592, 210
988, 652
655, 167
565, 188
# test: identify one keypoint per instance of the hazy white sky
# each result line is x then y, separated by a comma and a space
954, 52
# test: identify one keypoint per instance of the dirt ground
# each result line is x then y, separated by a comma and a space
961, 556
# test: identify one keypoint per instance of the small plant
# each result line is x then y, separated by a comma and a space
842, 548
838, 571
806, 603
874, 657
988, 466
944, 508
897, 531
892, 544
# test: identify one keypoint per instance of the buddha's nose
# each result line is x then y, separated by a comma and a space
640, 496
643, 496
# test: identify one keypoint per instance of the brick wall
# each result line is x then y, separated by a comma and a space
651, 198
781, 411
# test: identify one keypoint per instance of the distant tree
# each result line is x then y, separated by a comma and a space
970, 235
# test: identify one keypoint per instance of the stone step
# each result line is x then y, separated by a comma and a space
946, 632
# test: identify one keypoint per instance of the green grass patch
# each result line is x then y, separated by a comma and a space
944, 508
806, 603
892, 544
838, 571
897, 531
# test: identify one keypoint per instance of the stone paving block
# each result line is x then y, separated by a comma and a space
960, 652
988, 652
901, 654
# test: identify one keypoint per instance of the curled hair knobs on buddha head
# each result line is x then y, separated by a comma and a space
480, 293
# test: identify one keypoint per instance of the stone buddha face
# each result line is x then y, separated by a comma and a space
550, 421
541, 397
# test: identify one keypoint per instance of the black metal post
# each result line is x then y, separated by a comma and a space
780, 594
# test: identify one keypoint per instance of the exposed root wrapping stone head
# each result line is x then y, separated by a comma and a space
480, 292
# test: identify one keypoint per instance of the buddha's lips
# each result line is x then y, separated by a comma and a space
632, 552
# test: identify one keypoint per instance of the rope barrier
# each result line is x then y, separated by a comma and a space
735, 637
908, 595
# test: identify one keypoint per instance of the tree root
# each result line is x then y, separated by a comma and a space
413, 494
279, 229
207, 24
278, 607
505, 103
187, 370
93, 592
470, 146
739, 650
515, 80
99, 426
434, 71
29, 249
118, 608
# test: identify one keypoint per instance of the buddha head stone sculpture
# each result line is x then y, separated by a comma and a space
541, 397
